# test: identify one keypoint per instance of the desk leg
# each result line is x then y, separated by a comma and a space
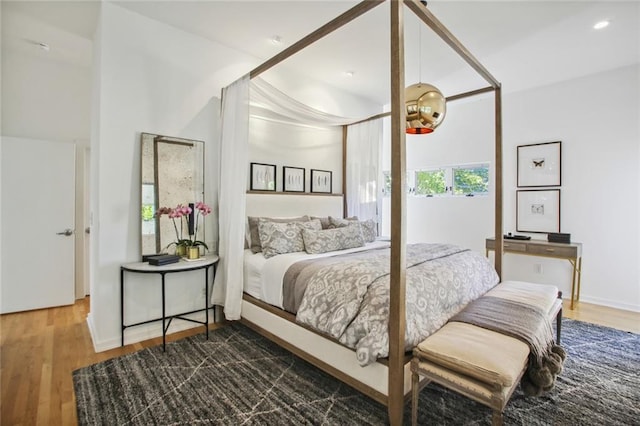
164, 329
574, 263
121, 307
206, 300
579, 272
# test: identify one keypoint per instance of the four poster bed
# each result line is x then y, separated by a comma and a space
387, 379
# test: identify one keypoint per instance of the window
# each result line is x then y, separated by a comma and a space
386, 187
471, 180
459, 180
431, 182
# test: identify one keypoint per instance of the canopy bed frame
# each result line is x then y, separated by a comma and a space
394, 390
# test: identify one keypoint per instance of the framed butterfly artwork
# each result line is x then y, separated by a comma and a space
540, 165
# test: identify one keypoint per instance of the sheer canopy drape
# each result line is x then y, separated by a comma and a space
234, 160
267, 100
256, 97
363, 175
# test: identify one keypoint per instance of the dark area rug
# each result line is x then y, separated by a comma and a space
238, 377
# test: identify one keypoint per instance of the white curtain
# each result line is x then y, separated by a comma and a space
234, 160
257, 97
363, 179
269, 102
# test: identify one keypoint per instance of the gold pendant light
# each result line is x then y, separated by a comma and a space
425, 108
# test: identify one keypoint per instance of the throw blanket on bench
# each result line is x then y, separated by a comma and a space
524, 322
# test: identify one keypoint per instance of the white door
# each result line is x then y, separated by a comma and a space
38, 205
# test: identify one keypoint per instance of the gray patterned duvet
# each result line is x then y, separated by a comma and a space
347, 297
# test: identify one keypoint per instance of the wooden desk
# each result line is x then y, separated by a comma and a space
571, 252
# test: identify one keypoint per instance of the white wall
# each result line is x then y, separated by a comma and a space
44, 99
596, 118
149, 77
466, 136
297, 146
310, 147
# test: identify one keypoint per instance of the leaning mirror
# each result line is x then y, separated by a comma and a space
172, 173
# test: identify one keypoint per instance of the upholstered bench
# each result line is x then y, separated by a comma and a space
481, 364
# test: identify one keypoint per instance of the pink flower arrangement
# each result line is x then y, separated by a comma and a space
179, 212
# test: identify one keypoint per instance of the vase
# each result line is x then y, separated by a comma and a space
193, 252
181, 250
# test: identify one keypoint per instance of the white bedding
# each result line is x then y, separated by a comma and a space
263, 277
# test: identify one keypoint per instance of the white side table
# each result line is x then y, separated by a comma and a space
205, 262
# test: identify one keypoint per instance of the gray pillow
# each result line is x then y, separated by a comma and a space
369, 230
322, 241
279, 238
335, 222
324, 220
256, 245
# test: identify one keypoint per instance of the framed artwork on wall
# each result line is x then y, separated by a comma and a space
540, 164
321, 181
538, 210
293, 179
263, 177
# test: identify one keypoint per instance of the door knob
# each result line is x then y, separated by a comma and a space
67, 232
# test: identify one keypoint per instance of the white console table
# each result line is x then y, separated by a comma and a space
205, 262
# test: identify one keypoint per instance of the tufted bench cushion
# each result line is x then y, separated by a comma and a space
489, 357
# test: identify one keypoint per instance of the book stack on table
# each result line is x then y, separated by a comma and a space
163, 259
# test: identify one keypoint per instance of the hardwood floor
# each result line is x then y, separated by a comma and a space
40, 349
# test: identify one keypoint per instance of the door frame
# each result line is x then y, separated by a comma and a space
82, 222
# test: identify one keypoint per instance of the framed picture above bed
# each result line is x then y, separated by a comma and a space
263, 177
293, 179
321, 181
538, 210
540, 164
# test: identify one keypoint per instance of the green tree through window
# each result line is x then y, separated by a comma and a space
470, 180
430, 182
457, 180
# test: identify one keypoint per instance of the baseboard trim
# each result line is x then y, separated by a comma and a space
609, 303
144, 332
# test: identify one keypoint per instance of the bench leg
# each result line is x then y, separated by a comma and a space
496, 419
415, 378
559, 321
558, 326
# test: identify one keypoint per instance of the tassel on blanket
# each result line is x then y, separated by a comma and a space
540, 379
524, 322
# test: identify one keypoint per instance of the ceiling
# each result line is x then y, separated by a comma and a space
523, 44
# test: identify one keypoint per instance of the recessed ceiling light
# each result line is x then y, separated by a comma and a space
276, 39
600, 25
349, 73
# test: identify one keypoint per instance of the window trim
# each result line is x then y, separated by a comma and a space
449, 181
